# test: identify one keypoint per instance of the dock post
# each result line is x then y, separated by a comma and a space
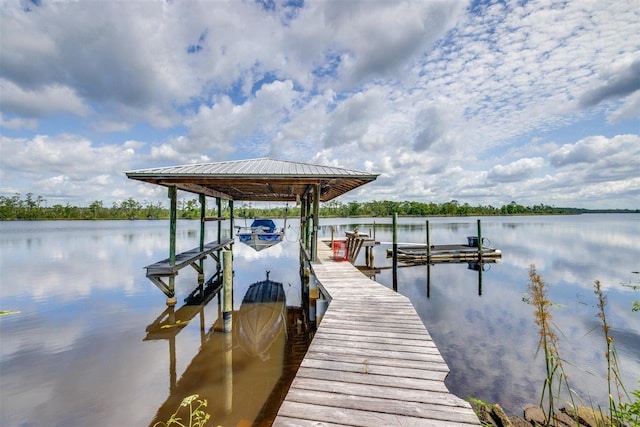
173, 207
428, 244
219, 205
231, 219
479, 243
227, 286
332, 233
203, 212
321, 306
316, 216
395, 251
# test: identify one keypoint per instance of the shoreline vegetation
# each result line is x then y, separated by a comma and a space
31, 207
560, 405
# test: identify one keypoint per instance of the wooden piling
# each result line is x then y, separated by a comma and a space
227, 286
479, 242
428, 243
203, 212
395, 251
173, 215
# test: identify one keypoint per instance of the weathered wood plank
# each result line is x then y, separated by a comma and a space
431, 411
372, 361
402, 357
434, 371
297, 422
354, 417
374, 333
376, 343
375, 380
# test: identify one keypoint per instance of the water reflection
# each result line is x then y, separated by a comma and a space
75, 354
243, 375
490, 342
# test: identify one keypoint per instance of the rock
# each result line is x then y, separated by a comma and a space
500, 417
518, 422
564, 420
535, 415
485, 416
588, 416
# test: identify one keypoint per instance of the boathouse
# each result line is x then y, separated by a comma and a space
255, 180
372, 361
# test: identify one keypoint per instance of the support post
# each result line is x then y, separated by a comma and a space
219, 204
173, 215
479, 243
395, 251
307, 230
428, 244
203, 211
219, 213
316, 214
227, 286
231, 218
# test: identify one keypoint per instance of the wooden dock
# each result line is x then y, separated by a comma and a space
438, 254
371, 362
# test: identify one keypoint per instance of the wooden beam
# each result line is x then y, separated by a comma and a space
197, 189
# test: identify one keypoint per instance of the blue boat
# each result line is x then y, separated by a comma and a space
262, 234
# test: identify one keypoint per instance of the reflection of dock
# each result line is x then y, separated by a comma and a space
371, 362
241, 374
172, 321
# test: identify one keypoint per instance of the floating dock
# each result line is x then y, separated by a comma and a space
372, 362
445, 253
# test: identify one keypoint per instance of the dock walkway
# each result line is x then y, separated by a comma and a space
371, 362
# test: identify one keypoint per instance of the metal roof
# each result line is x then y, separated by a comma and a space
256, 179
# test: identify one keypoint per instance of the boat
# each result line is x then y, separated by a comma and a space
262, 317
262, 234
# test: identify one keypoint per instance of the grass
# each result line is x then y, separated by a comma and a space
623, 408
555, 380
191, 408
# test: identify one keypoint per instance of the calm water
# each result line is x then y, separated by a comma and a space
86, 344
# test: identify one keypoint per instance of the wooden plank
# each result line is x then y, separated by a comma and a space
354, 417
183, 259
435, 371
387, 366
374, 380
381, 343
374, 333
386, 405
371, 362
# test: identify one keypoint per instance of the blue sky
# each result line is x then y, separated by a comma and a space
483, 102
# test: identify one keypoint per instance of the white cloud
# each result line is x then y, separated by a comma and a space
47, 100
438, 97
617, 151
16, 123
516, 171
630, 109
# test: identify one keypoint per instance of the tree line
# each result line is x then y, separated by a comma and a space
31, 207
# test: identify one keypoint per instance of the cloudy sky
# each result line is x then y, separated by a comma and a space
484, 102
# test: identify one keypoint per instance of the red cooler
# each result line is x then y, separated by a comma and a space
340, 250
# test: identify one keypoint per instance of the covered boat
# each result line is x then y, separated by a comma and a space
262, 234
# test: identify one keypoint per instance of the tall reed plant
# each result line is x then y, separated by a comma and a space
555, 380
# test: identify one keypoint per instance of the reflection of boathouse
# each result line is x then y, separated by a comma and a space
236, 373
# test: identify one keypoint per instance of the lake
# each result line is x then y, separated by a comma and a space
87, 341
